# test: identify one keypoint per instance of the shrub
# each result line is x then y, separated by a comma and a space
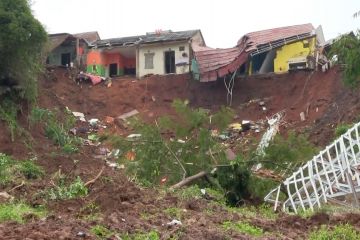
74, 190
30, 170
340, 232
8, 113
341, 129
101, 232
55, 129
7, 165
16, 212
152, 235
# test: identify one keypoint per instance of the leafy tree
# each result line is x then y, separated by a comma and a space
347, 50
22, 39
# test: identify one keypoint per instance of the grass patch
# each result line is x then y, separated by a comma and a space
101, 232
90, 212
174, 212
152, 235
30, 170
17, 211
10, 169
262, 211
341, 129
339, 232
243, 227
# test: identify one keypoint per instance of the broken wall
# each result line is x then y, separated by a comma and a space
300, 50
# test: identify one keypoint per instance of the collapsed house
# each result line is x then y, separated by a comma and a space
161, 52
275, 50
65, 48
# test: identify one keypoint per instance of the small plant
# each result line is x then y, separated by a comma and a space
74, 190
243, 227
8, 113
17, 211
339, 232
223, 118
101, 232
6, 169
90, 212
30, 170
173, 212
152, 235
56, 130
341, 129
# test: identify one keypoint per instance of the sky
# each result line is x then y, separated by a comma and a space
222, 22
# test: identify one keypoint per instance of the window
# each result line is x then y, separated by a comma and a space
182, 48
149, 60
306, 44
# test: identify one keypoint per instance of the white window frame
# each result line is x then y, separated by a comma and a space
149, 60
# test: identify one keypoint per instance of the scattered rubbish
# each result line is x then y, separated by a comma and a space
114, 165
93, 78
181, 141
73, 131
114, 153
163, 180
235, 126
203, 191
134, 136
81, 234
80, 116
109, 120
93, 122
174, 222
93, 137
264, 108
130, 155
103, 151
128, 114
261, 103
153, 98
302, 116
223, 137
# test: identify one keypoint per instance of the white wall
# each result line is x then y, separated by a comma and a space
159, 57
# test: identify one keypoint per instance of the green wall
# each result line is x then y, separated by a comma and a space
100, 70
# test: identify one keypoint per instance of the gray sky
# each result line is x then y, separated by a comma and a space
222, 22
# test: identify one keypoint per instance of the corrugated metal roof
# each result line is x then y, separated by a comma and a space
148, 38
215, 63
57, 39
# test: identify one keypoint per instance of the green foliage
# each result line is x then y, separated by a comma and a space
347, 50
22, 41
17, 211
30, 170
258, 187
243, 227
294, 149
234, 179
158, 157
7, 167
341, 129
101, 232
8, 113
223, 118
11, 169
340, 232
262, 211
74, 190
173, 212
152, 235
57, 126
90, 212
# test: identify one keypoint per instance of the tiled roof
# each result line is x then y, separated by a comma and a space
216, 63
255, 39
89, 37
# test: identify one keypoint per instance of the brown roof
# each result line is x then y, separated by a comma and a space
57, 39
89, 37
216, 63
255, 39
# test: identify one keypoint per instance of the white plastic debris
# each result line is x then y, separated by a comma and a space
134, 135
174, 222
93, 122
203, 191
80, 116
